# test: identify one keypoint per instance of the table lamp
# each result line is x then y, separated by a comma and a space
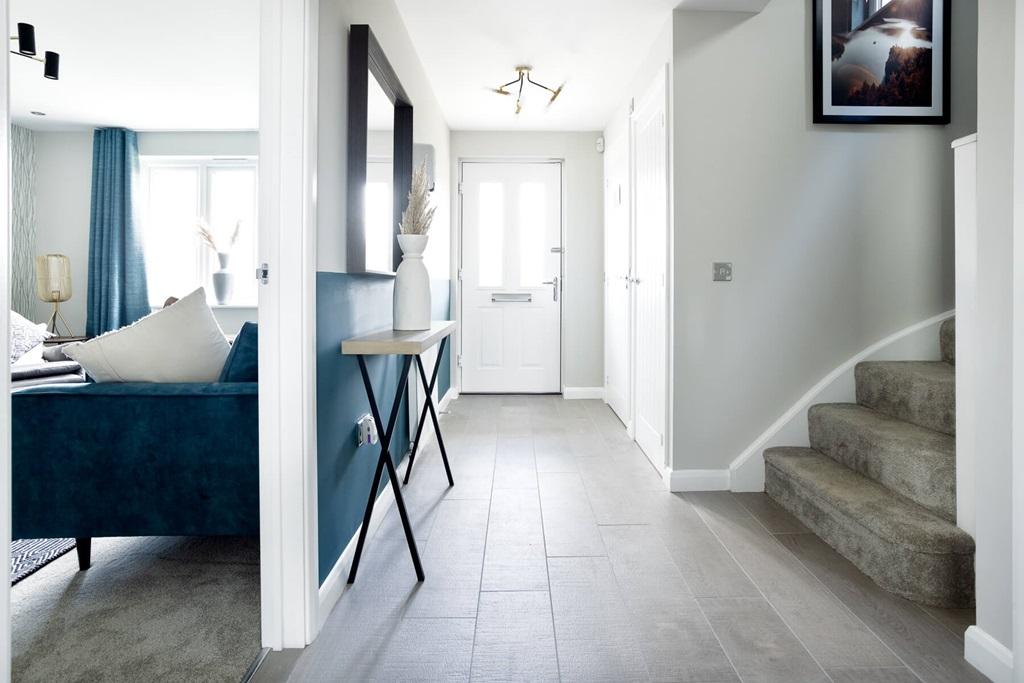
53, 285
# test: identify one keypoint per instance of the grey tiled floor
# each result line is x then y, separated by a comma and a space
558, 555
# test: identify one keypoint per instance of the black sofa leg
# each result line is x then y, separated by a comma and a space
84, 548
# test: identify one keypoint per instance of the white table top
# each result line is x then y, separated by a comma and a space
396, 342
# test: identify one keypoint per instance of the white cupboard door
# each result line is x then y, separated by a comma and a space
617, 282
511, 277
650, 164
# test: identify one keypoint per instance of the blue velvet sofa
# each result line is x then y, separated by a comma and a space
139, 459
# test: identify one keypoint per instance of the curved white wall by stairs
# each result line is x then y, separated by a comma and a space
917, 342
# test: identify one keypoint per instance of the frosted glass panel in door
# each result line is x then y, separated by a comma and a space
491, 222
533, 234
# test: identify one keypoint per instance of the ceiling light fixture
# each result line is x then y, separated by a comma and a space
522, 79
27, 48
38, 113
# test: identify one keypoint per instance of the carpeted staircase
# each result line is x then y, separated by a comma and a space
878, 483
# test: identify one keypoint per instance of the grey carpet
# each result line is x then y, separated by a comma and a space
149, 609
865, 440
879, 481
32, 554
947, 341
919, 392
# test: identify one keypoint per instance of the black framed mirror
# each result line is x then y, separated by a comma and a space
379, 156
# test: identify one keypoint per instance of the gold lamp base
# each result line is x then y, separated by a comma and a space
55, 319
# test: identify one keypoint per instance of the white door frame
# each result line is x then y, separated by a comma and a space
456, 366
667, 463
1017, 342
287, 316
5, 377
289, 577
627, 133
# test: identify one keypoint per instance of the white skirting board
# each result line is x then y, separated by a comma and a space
988, 655
335, 583
917, 342
698, 480
578, 393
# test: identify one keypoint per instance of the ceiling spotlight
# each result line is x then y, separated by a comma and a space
51, 65
26, 39
27, 48
38, 113
522, 79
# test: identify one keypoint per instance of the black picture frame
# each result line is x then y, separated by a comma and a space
366, 57
819, 32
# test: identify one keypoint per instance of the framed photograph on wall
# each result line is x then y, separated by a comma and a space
881, 61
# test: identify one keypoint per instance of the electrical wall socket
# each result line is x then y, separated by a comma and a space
367, 430
721, 272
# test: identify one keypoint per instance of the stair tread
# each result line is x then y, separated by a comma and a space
915, 461
883, 512
920, 392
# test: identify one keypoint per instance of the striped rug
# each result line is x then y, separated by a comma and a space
32, 554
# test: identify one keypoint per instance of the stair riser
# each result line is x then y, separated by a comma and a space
927, 478
929, 404
944, 580
947, 340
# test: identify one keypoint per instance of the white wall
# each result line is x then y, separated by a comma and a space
429, 126
839, 235
583, 294
199, 143
992, 337
64, 196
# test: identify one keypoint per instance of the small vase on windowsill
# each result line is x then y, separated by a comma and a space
223, 281
412, 286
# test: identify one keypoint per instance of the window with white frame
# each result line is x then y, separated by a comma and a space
179, 194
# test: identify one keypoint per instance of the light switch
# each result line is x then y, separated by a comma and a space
721, 272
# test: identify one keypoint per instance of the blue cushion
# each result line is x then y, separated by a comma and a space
242, 364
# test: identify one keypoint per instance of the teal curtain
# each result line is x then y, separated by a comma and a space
117, 265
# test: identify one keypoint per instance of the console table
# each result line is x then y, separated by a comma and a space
408, 345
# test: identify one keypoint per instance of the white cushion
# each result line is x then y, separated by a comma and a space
180, 343
25, 335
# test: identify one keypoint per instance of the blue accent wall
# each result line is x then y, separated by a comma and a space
346, 306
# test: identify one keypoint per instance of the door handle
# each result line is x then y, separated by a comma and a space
554, 287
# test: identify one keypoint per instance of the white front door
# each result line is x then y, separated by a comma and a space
617, 273
511, 277
650, 202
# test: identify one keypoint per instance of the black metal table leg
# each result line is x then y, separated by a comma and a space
437, 426
428, 404
384, 460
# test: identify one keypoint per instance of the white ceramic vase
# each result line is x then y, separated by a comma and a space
412, 286
223, 281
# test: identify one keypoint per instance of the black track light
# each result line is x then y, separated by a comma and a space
27, 48
27, 39
51, 65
